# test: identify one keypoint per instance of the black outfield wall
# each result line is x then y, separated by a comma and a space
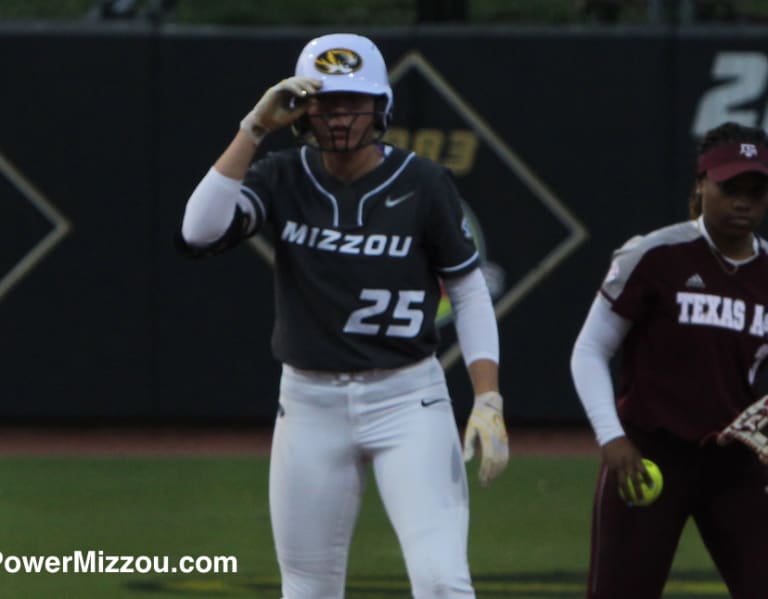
563, 145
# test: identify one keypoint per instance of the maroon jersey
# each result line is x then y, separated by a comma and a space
699, 331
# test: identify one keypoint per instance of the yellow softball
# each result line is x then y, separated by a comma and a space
650, 492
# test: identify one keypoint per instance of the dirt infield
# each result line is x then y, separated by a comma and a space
29, 441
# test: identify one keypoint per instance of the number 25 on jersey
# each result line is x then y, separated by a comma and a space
363, 322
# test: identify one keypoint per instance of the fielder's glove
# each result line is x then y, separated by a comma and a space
751, 428
486, 428
280, 105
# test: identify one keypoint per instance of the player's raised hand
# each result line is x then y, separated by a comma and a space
280, 106
486, 429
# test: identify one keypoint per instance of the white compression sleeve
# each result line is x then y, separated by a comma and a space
600, 337
211, 207
475, 320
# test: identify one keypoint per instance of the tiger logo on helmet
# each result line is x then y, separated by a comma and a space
338, 61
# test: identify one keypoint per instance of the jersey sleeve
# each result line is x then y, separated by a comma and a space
449, 240
629, 286
257, 189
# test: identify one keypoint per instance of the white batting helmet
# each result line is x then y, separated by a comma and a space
347, 62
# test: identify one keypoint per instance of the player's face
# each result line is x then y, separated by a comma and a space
342, 121
734, 208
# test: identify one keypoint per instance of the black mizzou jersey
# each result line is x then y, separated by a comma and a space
357, 265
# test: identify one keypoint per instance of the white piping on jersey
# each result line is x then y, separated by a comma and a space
255, 197
394, 176
459, 266
319, 187
331, 197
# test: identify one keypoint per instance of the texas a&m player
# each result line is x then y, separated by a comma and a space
688, 305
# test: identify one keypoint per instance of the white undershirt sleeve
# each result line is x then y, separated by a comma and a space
211, 208
598, 341
475, 320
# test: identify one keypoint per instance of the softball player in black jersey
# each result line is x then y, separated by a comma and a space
364, 235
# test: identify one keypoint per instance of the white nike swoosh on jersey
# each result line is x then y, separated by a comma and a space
390, 202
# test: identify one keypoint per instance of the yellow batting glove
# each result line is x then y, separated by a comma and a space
486, 428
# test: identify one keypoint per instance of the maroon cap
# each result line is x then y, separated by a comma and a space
728, 160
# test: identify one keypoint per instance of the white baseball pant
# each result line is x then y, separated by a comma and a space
328, 428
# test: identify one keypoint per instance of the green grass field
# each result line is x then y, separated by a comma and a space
529, 532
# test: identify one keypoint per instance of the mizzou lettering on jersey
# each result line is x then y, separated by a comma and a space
330, 240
